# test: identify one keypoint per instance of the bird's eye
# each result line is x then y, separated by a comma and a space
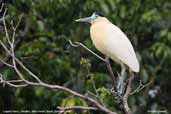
96, 16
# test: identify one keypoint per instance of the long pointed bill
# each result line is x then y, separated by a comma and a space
86, 19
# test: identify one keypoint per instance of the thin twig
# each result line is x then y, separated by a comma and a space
11, 82
2, 6
18, 23
19, 62
140, 87
5, 27
92, 94
17, 86
5, 63
77, 44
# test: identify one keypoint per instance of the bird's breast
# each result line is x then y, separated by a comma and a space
99, 37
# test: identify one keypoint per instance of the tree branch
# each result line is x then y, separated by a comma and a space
140, 87
124, 100
11, 82
5, 63
77, 44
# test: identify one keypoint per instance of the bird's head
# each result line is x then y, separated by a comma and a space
92, 19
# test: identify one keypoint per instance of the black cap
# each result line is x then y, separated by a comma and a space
99, 13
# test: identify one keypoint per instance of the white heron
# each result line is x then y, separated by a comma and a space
111, 41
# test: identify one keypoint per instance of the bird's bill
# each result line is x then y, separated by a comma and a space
86, 19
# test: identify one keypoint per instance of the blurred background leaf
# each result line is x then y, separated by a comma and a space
43, 47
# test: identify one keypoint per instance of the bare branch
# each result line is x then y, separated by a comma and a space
57, 87
18, 23
124, 101
5, 60
16, 86
27, 70
77, 44
140, 87
18, 61
5, 63
11, 82
2, 6
5, 26
92, 94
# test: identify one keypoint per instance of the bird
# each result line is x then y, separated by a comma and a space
111, 41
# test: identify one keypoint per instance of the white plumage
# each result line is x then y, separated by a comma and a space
112, 42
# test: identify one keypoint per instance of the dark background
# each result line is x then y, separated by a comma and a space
42, 45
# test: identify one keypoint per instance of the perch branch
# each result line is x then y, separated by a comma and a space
124, 101
77, 44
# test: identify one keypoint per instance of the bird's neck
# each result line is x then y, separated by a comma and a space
100, 20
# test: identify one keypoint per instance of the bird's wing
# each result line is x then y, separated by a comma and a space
119, 47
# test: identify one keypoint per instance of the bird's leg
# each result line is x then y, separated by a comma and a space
120, 84
123, 69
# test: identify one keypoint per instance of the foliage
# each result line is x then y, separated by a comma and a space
42, 44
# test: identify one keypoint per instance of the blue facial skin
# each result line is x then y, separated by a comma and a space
88, 19
94, 16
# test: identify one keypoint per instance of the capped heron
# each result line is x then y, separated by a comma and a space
111, 41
